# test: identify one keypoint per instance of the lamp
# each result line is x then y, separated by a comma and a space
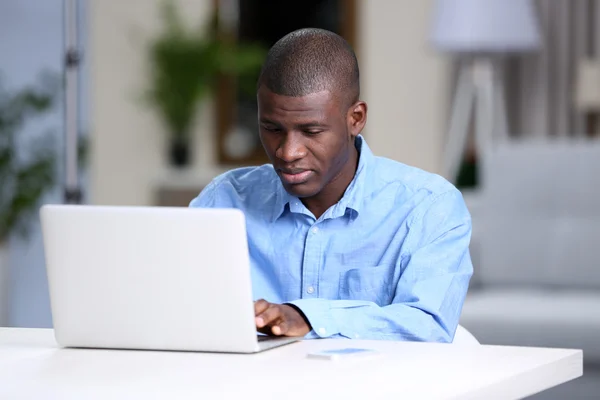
480, 33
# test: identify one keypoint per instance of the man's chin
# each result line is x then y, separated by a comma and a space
302, 190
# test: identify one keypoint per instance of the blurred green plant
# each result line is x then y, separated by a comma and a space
185, 66
24, 178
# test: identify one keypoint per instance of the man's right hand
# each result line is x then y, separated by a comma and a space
279, 319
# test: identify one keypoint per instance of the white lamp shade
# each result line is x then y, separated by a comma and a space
587, 86
485, 26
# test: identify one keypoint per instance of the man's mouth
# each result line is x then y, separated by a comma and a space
295, 176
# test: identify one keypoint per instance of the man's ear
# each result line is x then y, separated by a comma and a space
357, 118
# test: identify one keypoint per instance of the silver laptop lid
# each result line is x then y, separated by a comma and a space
149, 277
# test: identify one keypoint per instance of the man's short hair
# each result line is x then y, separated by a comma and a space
311, 60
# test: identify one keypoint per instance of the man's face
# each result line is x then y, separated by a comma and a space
308, 139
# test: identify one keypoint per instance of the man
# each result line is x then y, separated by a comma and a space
343, 244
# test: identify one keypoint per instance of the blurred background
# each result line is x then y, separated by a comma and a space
143, 102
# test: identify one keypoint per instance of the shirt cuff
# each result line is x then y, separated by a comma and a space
319, 315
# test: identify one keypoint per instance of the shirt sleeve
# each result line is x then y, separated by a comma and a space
429, 294
207, 197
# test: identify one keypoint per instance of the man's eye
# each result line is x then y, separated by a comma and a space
271, 129
313, 132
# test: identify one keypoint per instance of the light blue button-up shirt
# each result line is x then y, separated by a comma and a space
390, 260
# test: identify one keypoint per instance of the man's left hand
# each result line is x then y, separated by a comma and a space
279, 319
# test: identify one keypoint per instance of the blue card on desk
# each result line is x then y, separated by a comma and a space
341, 354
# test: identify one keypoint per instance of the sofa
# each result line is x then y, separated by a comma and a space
536, 252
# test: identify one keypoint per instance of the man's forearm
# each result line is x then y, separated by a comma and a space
356, 319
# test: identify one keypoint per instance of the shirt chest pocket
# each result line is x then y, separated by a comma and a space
374, 283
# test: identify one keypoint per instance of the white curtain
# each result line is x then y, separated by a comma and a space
540, 86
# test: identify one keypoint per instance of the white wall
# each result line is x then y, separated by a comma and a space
404, 83
128, 141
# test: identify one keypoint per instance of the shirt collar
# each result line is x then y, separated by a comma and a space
353, 197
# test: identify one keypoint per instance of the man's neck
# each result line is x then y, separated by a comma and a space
334, 190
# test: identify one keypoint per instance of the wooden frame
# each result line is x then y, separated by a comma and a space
225, 100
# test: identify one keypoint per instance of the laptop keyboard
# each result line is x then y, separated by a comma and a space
269, 342
262, 338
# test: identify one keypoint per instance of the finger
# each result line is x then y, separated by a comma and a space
260, 306
266, 330
280, 328
269, 316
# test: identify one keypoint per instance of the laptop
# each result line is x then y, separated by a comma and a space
151, 278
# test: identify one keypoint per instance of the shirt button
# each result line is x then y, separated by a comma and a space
310, 290
315, 230
322, 331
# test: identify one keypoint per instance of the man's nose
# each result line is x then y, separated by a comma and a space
291, 148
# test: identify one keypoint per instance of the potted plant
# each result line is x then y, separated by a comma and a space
24, 176
185, 65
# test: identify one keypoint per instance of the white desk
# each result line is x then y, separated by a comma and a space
32, 367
